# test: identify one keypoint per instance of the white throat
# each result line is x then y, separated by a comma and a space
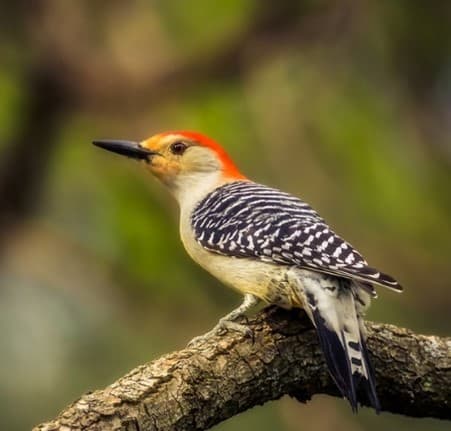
190, 189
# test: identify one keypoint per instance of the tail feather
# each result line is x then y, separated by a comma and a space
337, 360
332, 309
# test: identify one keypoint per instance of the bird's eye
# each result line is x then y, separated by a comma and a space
178, 148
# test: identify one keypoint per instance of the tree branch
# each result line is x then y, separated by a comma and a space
196, 388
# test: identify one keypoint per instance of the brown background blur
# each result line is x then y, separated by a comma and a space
344, 103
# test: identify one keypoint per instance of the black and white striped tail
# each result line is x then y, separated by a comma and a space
341, 335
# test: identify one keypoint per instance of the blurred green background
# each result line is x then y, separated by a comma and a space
344, 103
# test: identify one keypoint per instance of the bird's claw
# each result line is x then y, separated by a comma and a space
221, 328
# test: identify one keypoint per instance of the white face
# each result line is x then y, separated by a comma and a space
188, 163
182, 164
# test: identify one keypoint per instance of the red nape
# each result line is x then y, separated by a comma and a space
230, 169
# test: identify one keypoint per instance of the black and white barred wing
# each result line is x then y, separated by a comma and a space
244, 219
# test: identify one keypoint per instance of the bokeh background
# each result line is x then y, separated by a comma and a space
344, 103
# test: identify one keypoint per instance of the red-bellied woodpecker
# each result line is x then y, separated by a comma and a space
268, 245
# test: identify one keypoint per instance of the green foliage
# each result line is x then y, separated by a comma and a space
345, 108
206, 24
11, 101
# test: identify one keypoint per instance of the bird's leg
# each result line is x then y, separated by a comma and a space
227, 323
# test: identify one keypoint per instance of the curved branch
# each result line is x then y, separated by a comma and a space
196, 388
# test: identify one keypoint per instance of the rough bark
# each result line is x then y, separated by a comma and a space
196, 388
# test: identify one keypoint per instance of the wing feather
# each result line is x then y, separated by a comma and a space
249, 220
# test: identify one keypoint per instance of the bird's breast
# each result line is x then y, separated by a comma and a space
269, 282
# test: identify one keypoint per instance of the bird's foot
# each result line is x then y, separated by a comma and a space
221, 328
227, 323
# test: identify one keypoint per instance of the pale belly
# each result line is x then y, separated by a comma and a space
274, 284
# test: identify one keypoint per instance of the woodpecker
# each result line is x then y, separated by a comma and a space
268, 245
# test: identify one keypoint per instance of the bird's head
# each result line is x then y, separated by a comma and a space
183, 161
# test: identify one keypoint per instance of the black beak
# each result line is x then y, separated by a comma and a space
125, 148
